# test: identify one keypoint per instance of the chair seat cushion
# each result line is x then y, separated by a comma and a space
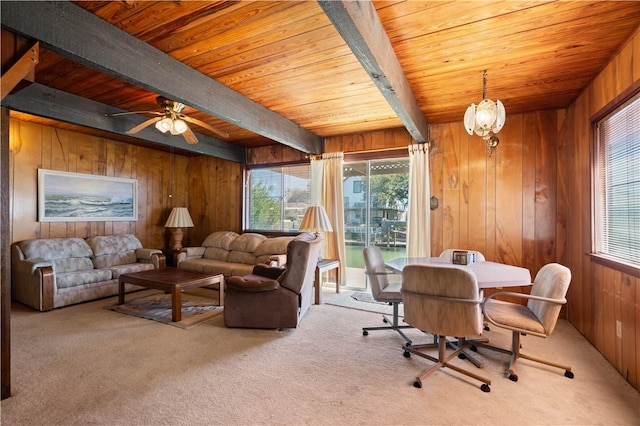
513, 315
390, 293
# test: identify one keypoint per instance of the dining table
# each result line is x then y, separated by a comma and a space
489, 274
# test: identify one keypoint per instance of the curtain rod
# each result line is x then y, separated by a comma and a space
371, 151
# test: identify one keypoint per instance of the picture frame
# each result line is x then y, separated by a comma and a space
79, 197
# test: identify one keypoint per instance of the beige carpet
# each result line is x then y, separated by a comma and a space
85, 365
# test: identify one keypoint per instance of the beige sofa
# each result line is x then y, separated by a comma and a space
229, 253
49, 273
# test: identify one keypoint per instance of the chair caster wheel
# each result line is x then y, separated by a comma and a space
513, 377
474, 348
568, 374
417, 384
462, 356
384, 320
486, 328
407, 354
485, 388
365, 333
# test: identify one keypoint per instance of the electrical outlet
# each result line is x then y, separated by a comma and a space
619, 329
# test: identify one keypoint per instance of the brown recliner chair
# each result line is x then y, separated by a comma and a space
274, 297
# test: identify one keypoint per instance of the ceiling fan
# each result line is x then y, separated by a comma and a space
171, 120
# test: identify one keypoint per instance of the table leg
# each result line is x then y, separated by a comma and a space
338, 280
221, 293
120, 292
176, 304
318, 285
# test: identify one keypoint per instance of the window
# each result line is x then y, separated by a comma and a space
617, 183
277, 197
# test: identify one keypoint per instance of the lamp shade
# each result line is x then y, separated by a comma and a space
179, 218
315, 220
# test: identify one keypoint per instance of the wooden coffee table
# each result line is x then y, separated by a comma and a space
170, 280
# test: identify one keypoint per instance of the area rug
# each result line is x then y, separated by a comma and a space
157, 307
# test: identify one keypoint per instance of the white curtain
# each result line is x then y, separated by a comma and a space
326, 190
418, 220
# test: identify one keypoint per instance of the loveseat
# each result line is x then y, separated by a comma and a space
230, 253
49, 273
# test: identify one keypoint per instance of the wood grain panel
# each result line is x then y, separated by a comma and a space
599, 296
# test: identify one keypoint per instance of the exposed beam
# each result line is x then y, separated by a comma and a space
85, 38
24, 68
360, 27
46, 102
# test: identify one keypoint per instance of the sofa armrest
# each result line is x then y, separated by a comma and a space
278, 260
188, 253
34, 283
271, 272
154, 256
251, 284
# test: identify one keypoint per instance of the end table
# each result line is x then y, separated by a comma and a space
326, 265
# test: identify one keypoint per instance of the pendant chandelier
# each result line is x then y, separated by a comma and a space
485, 119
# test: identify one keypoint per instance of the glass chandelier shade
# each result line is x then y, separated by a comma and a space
486, 118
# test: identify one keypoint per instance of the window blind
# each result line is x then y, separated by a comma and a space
618, 197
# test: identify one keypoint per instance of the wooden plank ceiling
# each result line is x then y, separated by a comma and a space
288, 57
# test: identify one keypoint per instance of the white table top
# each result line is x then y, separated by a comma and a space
488, 274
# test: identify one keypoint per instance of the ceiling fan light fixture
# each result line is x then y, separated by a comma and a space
165, 125
179, 127
485, 119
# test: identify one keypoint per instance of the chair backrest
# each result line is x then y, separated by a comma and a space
375, 270
442, 299
302, 258
448, 254
552, 281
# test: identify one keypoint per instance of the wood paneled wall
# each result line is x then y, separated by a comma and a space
165, 180
505, 205
599, 296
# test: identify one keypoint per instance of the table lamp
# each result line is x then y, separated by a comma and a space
315, 220
178, 219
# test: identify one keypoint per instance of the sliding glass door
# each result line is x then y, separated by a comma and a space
375, 212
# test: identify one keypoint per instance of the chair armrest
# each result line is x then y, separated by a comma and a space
271, 272
251, 285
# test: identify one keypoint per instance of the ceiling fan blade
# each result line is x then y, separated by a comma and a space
115, 114
190, 137
142, 125
205, 126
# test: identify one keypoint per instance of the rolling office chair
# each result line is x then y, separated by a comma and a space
537, 318
382, 290
445, 301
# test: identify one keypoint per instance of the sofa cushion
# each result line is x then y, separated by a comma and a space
111, 250
66, 254
216, 253
220, 239
247, 243
270, 247
247, 258
72, 279
128, 268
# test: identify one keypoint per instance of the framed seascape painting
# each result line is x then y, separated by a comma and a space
77, 197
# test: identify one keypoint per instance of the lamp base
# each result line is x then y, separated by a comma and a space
176, 238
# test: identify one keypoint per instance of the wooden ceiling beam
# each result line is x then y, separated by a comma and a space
73, 32
46, 102
360, 27
23, 69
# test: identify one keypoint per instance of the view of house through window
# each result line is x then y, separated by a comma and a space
375, 207
277, 197
617, 183
375, 212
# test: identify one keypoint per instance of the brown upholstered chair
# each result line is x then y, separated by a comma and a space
537, 318
383, 290
443, 300
274, 297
